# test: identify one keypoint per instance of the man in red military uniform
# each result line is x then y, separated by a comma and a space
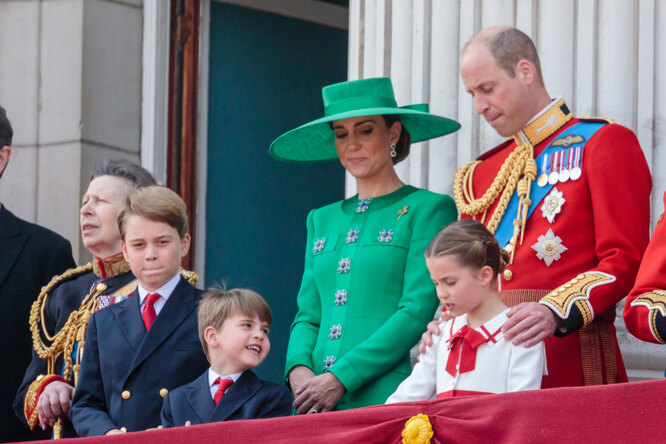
567, 197
645, 307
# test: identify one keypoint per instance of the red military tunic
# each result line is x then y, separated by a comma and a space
645, 307
603, 225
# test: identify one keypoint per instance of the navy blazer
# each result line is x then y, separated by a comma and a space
126, 371
30, 256
247, 398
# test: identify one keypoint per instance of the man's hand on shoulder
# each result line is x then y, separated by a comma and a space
432, 330
529, 323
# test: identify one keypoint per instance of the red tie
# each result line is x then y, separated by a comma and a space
224, 384
148, 314
463, 350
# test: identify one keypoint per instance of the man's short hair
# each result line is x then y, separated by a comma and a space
136, 175
158, 204
508, 47
6, 131
217, 305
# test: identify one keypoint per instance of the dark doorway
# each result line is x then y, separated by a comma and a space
266, 75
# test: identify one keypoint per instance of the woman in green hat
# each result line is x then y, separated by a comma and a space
366, 295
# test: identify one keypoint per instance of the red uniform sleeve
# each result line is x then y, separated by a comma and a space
619, 184
645, 307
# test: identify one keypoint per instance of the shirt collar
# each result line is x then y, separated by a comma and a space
212, 376
164, 291
493, 324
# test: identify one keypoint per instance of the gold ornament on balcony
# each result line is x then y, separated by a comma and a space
418, 430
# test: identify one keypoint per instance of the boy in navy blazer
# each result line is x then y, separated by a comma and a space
138, 349
233, 329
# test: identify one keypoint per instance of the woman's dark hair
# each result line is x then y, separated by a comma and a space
136, 175
472, 244
405, 140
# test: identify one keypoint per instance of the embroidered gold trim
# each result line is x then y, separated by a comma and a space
577, 291
653, 326
113, 266
545, 125
653, 300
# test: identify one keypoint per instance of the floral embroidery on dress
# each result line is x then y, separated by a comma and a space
344, 265
385, 236
352, 235
319, 245
341, 297
363, 205
328, 362
336, 332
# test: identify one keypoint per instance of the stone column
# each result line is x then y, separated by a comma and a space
602, 57
70, 79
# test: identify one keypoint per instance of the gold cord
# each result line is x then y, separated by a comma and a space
519, 163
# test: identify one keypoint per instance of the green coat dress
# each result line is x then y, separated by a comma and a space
366, 295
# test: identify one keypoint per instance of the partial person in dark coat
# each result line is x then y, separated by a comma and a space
139, 349
60, 315
233, 329
29, 256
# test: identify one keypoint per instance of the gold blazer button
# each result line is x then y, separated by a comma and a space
163, 392
126, 394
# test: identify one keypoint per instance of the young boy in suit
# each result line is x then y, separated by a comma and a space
233, 329
138, 349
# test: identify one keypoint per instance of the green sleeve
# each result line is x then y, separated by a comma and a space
304, 329
392, 341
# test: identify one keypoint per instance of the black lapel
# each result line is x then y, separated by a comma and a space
12, 242
128, 316
177, 308
237, 395
199, 397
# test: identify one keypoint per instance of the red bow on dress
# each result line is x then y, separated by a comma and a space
463, 350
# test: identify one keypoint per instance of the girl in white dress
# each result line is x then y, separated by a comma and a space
470, 357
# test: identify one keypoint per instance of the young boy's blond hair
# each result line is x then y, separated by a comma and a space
158, 204
218, 304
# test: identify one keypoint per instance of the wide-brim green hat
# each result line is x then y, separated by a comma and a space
315, 142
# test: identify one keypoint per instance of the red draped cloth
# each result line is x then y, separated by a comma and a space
629, 412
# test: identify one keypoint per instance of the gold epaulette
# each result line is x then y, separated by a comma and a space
595, 119
190, 276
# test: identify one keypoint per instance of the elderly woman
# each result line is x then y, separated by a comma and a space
366, 294
59, 317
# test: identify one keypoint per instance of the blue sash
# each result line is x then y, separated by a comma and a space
505, 228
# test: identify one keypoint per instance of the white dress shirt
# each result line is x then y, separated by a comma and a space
500, 366
212, 377
164, 291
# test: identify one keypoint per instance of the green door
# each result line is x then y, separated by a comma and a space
266, 75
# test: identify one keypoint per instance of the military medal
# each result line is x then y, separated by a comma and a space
543, 179
576, 170
564, 166
549, 248
552, 205
553, 177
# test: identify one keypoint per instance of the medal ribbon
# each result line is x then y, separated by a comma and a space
505, 228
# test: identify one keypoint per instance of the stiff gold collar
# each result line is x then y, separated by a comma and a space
544, 124
111, 266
